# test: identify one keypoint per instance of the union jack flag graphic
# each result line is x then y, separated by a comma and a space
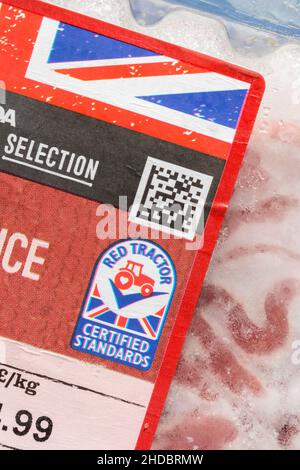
147, 326
137, 80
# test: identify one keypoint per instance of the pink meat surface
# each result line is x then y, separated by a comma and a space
237, 385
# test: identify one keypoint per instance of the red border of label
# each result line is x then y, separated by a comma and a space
222, 198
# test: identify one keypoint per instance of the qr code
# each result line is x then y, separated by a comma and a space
171, 198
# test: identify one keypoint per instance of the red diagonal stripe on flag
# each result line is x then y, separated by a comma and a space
130, 71
96, 292
99, 312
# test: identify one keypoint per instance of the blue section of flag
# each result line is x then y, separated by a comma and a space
76, 44
94, 303
109, 317
221, 107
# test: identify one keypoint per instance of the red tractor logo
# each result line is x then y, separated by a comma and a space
132, 275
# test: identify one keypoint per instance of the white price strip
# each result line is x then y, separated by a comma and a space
39, 411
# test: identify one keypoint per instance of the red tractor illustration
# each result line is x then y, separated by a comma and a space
132, 275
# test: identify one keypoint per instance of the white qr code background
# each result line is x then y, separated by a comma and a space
171, 198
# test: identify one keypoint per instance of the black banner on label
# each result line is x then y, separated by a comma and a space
85, 156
